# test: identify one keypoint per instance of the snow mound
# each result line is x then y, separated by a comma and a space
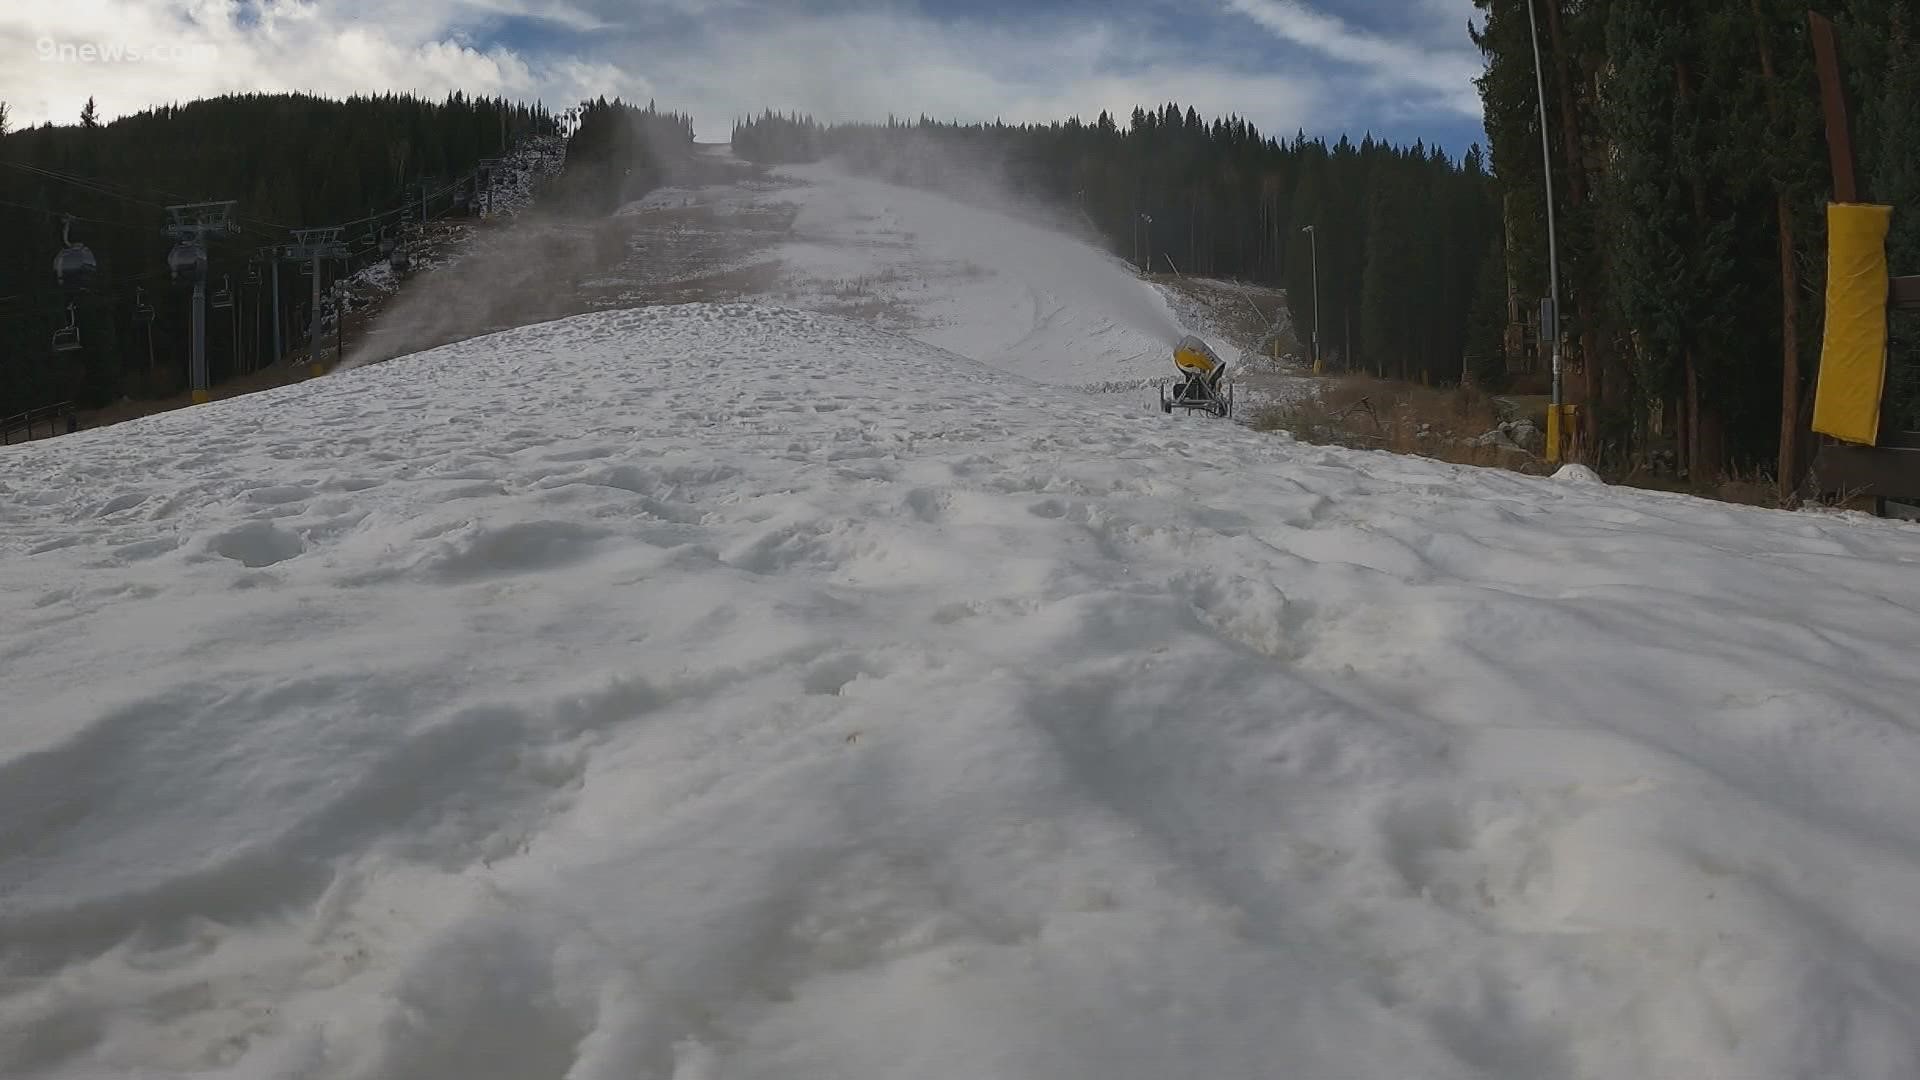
727, 691
1578, 475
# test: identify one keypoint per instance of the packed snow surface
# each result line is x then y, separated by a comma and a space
729, 692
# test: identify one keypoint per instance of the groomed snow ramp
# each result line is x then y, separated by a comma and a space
547, 706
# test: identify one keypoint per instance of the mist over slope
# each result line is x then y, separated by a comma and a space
983, 276
723, 691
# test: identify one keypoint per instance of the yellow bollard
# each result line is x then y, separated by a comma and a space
201, 397
1560, 420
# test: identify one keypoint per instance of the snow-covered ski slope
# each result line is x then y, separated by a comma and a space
724, 692
973, 277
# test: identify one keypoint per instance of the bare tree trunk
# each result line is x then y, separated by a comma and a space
1699, 449
1789, 469
1592, 377
1692, 422
1789, 479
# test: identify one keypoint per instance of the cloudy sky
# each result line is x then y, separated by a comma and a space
1398, 68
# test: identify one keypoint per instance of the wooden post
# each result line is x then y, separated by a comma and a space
1833, 98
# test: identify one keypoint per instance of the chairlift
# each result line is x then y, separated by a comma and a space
67, 338
75, 265
223, 296
142, 311
188, 261
253, 273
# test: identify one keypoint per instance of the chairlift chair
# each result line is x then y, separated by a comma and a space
142, 311
223, 296
253, 273
67, 338
188, 262
75, 265
1203, 384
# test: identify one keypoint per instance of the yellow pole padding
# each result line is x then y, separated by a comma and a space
1853, 356
1559, 427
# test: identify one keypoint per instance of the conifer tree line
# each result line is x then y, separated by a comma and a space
1403, 232
290, 160
1691, 174
619, 152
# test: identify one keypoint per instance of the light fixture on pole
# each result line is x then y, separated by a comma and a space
1550, 315
1313, 240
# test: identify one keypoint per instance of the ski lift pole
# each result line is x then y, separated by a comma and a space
190, 224
317, 245
276, 307
197, 364
1313, 242
1557, 411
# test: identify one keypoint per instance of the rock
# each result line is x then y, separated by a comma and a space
1525, 435
1518, 435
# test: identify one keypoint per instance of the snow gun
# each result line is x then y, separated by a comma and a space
1202, 383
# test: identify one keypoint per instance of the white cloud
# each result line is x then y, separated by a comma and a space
741, 56
1444, 76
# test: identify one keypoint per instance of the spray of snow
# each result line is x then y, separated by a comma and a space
969, 268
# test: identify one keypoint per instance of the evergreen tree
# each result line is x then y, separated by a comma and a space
89, 118
1487, 321
289, 159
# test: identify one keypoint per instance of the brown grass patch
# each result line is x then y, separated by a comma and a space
1366, 413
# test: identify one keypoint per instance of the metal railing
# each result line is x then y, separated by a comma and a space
55, 419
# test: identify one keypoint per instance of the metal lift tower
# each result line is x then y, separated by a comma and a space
317, 245
190, 224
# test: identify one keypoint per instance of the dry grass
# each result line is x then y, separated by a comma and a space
1374, 414
1756, 488
1366, 413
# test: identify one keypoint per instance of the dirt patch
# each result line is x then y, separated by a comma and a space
1447, 424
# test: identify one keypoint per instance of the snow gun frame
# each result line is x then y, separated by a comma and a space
1861, 452
1203, 384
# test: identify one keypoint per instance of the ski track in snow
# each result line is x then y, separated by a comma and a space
725, 691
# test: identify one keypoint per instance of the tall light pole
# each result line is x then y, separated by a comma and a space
1554, 418
1313, 240
1146, 266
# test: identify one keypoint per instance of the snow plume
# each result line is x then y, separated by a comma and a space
1083, 274
526, 271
